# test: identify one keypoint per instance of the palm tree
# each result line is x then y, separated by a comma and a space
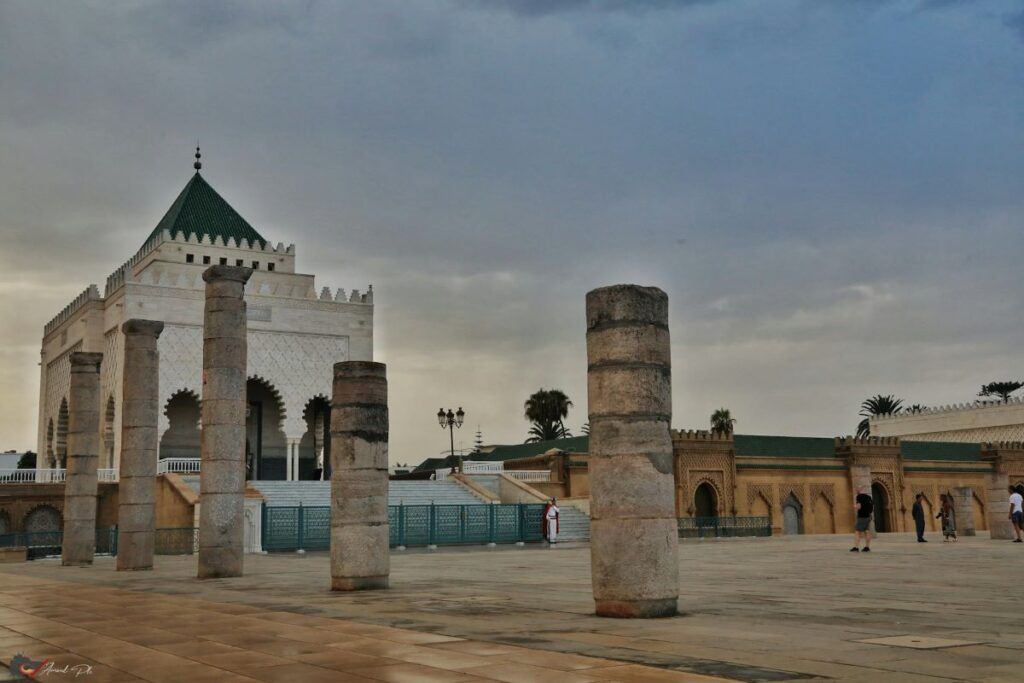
875, 406
1000, 389
585, 428
722, 421
546, 409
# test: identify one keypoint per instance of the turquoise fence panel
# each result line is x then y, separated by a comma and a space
309, 528
176, 541
39, 544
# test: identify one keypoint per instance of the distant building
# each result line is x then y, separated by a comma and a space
295, 336
980, 422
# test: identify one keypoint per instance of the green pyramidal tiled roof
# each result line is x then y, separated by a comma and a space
201, 211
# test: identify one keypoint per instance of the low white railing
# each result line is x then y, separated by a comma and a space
49, 475
33, 476
529, 475
178, 465
470, 467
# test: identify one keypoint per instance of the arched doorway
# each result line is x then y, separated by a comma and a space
315, 447
181, 438
41, 519
705, 501
266, 445
50, 458
880, 499
792, 516
824, 520
108, 434
61, 440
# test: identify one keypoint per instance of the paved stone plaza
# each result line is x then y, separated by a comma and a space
778, 609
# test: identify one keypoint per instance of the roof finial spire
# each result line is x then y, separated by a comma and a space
198, 165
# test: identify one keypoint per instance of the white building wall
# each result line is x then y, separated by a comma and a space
967, 422
295, 333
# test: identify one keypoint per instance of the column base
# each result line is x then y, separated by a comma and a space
358, 583
1001, 531
637, 609
76, 563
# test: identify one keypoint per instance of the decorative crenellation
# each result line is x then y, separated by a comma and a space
91, 293
700, 435
846, 441
123, 273
949, 408
1003, 446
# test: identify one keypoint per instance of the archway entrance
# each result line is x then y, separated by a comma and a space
108, 434
315, 447
705, 501
181, 439
881, 503
266, 446
61, 445
792, 516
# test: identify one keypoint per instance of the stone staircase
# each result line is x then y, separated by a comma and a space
573, 525
318, 493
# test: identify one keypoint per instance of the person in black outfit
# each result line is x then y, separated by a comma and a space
864, 507
917, 512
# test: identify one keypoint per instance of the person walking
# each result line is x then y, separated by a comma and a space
1017, 510
917, 512
864, 506
948, 516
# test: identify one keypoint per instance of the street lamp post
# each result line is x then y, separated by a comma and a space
449, 420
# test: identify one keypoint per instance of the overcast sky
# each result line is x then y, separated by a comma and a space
831, 192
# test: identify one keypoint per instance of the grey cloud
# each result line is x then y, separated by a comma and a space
533, 8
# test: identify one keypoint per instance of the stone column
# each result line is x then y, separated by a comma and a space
998, 512
140, 415
962, 506
359, 477
80, 488
634, 532
222, 442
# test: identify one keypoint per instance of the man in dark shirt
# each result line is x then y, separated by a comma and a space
864, 507
917, 512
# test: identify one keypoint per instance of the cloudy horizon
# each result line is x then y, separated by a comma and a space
830, 193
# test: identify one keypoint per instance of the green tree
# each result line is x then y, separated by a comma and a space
722, 421
546, 409
1000, 389
478, 441
875, 406
27, 461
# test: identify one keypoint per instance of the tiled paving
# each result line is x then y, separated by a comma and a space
784, 609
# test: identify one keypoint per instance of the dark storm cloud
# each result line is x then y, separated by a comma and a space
828, 191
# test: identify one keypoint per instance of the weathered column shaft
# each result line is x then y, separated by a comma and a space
634, 531
140, 414
359, 477
998, 512
80, 488
222, 441
964, 508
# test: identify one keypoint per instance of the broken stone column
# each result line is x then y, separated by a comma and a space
222, 440
964, 509
359, 477
998, 512
633, 528
140, 413
82, 460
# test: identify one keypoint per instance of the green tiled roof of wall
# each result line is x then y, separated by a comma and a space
201, 211
752, 446
576, 444
941, 450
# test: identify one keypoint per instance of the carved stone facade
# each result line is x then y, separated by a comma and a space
295, 335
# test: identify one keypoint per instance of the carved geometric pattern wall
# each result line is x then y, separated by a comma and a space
827, 490
766, 491
697, 465
795, 490
58, 383
297, 366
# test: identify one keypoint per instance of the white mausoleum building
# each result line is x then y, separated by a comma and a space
296, 334
981, 422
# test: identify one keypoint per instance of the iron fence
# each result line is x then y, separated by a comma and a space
39, 544
309, 528
724, 527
